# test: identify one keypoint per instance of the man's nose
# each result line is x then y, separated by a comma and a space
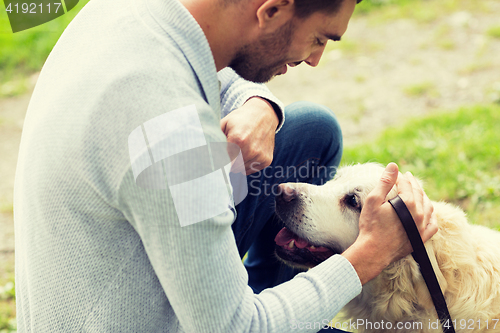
314, 57
293, 64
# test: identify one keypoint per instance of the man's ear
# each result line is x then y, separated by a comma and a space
273, 14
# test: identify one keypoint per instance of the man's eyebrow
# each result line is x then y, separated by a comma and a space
335, 38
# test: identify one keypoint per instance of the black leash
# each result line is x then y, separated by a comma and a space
420, 256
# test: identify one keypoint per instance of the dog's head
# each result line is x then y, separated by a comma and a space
323, 220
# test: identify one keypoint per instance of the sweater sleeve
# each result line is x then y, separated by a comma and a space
235, 91
200, 270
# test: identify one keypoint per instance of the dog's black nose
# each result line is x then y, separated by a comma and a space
286, 193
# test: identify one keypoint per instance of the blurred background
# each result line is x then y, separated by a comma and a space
416, 82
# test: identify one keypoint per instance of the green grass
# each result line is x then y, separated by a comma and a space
25, 51
7, 305
456, 154
494, 31
367, 6
7, 292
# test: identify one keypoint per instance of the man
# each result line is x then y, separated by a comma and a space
99, 251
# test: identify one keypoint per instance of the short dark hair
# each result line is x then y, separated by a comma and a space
305, 8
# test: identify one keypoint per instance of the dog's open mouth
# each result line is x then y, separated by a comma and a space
299, 252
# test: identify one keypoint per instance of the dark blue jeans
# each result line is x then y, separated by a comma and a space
308, 148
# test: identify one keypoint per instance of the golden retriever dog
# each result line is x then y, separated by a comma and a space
323, 220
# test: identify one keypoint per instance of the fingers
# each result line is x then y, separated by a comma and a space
405, 189
256, 156
430, 230
256, 160
384, 186
254, 136
412, 197
223, 125
255, 165
423, 205
418, 193
419, 204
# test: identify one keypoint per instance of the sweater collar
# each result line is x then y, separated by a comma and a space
178, 22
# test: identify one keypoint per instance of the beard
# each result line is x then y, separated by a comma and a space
260, 61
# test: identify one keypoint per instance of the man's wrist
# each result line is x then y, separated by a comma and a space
361, 257
268, 105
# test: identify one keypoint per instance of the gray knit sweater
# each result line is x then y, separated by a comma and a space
97, 253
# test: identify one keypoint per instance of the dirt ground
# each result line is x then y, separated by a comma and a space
380, 75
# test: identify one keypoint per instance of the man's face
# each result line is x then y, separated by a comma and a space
296, 41
259, 61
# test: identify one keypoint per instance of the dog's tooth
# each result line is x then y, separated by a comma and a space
312, 247
291, 244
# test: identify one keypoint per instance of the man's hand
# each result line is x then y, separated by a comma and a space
382, 238
252, 127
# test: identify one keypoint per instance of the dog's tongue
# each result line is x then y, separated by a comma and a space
285, 236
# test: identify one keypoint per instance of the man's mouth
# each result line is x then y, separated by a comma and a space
297, 251
282, 70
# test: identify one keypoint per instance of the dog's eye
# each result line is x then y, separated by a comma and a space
352, 200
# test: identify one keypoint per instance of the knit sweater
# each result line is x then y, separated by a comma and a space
97, 253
